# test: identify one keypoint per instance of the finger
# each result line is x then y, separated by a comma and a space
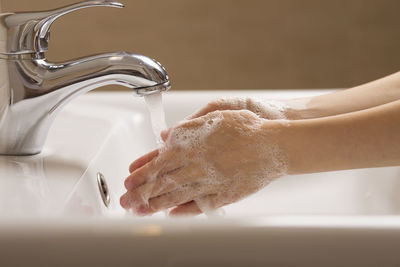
171, 199
204, 204
125, 201
138, 197
143, 160
168, 181
193, 123
220, 104
212, 106
141, 175
150, 188
209, 202
189, 208
159, 184
200, 113
176, 178
164, 134
145, 183
151, 169
212, 202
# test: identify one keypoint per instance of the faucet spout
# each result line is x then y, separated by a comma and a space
38, 89
66, 80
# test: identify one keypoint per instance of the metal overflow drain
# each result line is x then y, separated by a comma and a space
103, 188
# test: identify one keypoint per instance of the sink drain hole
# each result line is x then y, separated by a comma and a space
103, 188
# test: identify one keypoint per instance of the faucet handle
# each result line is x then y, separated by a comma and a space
29, 32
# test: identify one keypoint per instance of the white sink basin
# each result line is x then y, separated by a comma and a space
306, 220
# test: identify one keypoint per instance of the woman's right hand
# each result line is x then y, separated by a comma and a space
292, 109
207, 163
270, 110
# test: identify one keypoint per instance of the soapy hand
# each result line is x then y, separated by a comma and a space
206, 163
267, 109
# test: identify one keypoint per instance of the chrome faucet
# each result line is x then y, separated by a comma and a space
33, 90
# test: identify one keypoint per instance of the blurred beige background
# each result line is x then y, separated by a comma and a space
239, 44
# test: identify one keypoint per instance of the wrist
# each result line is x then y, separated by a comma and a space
333, 143
273, 134
295, 140
301, 108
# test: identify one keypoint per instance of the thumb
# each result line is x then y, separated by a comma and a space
164, 134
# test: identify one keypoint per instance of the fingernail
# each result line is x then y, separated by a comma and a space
130, 184
125, 202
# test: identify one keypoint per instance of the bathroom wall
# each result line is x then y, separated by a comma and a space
237, 44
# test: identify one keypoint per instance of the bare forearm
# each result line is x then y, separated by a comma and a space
367, 138
365, 96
